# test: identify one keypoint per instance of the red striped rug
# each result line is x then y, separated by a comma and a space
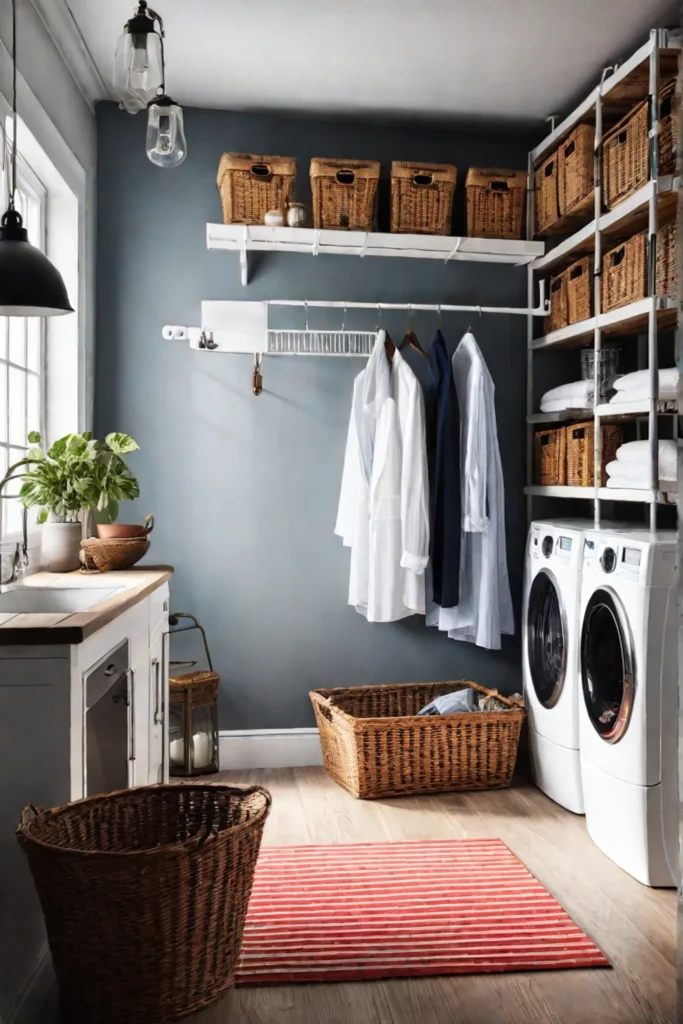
389, 910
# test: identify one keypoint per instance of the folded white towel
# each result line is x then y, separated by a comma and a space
634, 471
639, 484
638, 453
640, 381
643, 395
566, 403
575, 389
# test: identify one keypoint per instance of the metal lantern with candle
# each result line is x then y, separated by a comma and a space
193, 712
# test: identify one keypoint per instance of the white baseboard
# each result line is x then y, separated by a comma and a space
269, 748
29, 1000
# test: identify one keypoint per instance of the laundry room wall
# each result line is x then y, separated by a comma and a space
245, 490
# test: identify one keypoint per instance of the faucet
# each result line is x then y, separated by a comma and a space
20, 557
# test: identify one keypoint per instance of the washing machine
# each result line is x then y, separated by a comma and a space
628, 711
550, 656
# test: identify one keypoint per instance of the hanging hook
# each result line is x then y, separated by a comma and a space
306, 313
379, 317
410, 317
439, 323
210, 343
343, 318
256, 377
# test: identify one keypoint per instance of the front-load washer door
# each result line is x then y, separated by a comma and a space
607, 666
546, 639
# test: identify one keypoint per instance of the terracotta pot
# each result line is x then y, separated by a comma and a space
123, 531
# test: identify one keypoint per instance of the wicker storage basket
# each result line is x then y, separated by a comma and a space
581, 453
422, 198
110, 554
344, 193
547, 199
580, 290
624, 268
252, 185
145, 893
375, 745
575, 169
496, 202
559, 303
550, 457
626, 151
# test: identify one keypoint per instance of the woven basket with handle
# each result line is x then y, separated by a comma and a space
550, 457
496, 202
375, 744
145, 894
344, 193
422, 197
251, 185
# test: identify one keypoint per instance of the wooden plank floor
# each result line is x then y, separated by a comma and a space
634, 925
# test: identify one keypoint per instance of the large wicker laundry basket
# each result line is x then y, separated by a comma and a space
145, 893
375, 744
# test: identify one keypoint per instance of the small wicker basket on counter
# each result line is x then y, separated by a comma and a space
626, 150
422, 198
375, 744
550, 457
581, 452
251, 185
496, 202
344, 193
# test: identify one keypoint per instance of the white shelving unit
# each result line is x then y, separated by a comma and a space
636, 79
244, 239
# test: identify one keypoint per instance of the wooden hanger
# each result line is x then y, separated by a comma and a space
389, 348
411, 337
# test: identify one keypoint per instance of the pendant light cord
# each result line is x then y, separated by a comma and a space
14, 104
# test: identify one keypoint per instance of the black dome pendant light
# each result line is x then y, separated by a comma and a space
29, 284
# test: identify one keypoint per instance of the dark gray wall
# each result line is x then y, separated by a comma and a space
245, 490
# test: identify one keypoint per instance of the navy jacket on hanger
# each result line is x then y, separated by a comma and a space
443, 443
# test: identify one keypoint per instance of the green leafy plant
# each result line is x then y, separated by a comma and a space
77, 472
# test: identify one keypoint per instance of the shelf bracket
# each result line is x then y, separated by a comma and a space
244, 259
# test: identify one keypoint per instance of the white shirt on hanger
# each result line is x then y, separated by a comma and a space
485, 608
383, 511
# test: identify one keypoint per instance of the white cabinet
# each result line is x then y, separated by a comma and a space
142, 631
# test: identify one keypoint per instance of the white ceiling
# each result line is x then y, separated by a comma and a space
426, 58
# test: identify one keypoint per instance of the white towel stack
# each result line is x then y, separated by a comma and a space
630, 469
577, 395
635, 387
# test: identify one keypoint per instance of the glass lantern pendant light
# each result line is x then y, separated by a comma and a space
166, 145
139, 60
29, 284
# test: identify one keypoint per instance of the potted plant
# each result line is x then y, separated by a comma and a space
77, 473
112, 483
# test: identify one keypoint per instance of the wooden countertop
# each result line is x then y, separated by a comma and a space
74, 627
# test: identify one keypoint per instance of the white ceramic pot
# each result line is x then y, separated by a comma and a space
296, 215
60, 545
274, 218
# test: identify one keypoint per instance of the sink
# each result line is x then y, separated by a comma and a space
54, 599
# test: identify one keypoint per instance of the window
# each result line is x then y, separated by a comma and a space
22, 357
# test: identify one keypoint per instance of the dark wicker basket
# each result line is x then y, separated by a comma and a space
145, 893
375, 744
547, 198
496, 203
580, 290
422, 198
581, 452
626, 151
575, 170
251, 185
344, 193
550, 457
559, 303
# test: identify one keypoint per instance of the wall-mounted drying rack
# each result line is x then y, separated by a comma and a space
244, 327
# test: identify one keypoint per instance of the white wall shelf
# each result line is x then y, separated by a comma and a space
640, 496
631, 215
562, 416
626, 320
244, 239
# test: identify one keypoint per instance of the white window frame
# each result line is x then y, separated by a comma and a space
29, 188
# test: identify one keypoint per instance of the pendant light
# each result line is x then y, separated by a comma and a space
166, 145
139, 59
29, 284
